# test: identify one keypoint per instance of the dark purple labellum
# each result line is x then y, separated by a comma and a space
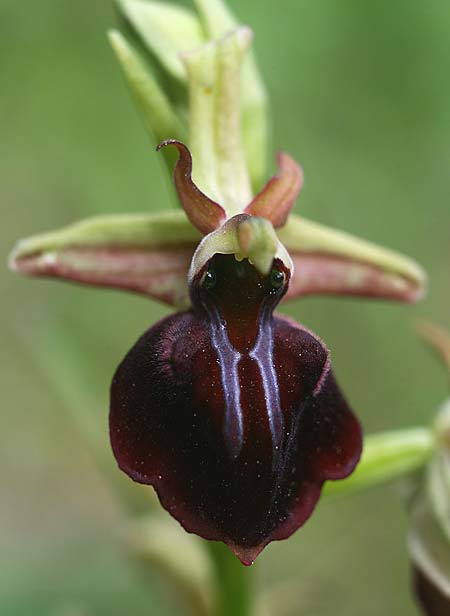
231, 413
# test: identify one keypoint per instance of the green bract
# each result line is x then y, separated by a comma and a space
200, 58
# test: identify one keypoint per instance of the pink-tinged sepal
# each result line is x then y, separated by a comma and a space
149, 254
231, 413
322, 274
278, 196
332, 262
204, 213
160, 274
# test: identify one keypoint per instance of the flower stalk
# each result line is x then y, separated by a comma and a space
234, 583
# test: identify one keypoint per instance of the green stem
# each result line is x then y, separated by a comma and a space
234, 582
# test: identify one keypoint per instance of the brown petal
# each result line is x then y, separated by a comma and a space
203, 212
276, 199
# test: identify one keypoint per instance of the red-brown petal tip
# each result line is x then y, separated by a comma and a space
204, 213
276, 199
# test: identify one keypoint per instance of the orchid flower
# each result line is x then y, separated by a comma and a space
229, 410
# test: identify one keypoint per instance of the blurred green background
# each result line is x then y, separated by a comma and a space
361, 97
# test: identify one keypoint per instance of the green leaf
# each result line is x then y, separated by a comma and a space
387, 456
159, 116
166, 29
216, 17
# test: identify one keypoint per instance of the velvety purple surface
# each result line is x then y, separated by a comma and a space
231, 413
